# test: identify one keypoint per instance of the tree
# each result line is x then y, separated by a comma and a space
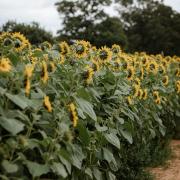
155, 28
88, 20
33, 32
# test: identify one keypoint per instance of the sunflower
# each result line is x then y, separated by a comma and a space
152, 67
95, 66
141, 73
158, 101
144, 95
137, 81
156, 94
162, 69
89, 75
20, 42
74, 117
177, 72
27, 84
130, 73
177, 85
47, 104
5, 65
44, 75
52, 66
116, 49
45, 45
129, 100
62, 59
80, 48
135, 90
165, 80
140, 93
64, 48
104, 54
28, 70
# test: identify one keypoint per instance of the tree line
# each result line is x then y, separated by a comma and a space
140, 25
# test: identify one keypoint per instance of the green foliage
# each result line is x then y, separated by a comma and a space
113, 138
153, 29
88, 20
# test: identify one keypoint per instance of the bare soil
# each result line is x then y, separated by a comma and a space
171, 169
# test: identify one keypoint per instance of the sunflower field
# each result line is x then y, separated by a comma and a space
77, 112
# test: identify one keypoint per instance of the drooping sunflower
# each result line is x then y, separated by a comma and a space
29, 70
95, 66
140, 93
157, 98
162, 69
44, 73
130, 73
165, 80
104, 54
177, 72
47, 103
73, 113
28, 74
89, 75
20, 42
141, 73
80, 48
52, 66
177, 86
129, 100
145, 94
27, 85
64, 48
137, 81
135, 90
62, 59
116, 49
156, 94
5, 65
152, 67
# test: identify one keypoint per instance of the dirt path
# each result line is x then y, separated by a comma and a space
171, 171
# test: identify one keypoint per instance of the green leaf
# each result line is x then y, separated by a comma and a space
86, 107
36, 169
113, 139
59, 169
108, 155
111, 176
83, 133
9, 166
77, 157
16, 99
89, 172
127, 135
11, 125
97, 174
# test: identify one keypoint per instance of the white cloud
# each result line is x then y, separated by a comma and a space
44, 12
173, 3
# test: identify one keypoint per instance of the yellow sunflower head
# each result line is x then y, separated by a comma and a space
64, 48
130, 73
20, 42
116, 49
165, 80
5, 65
80, 48
152, 67
105, 54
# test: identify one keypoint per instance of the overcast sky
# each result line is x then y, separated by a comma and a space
42, 11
